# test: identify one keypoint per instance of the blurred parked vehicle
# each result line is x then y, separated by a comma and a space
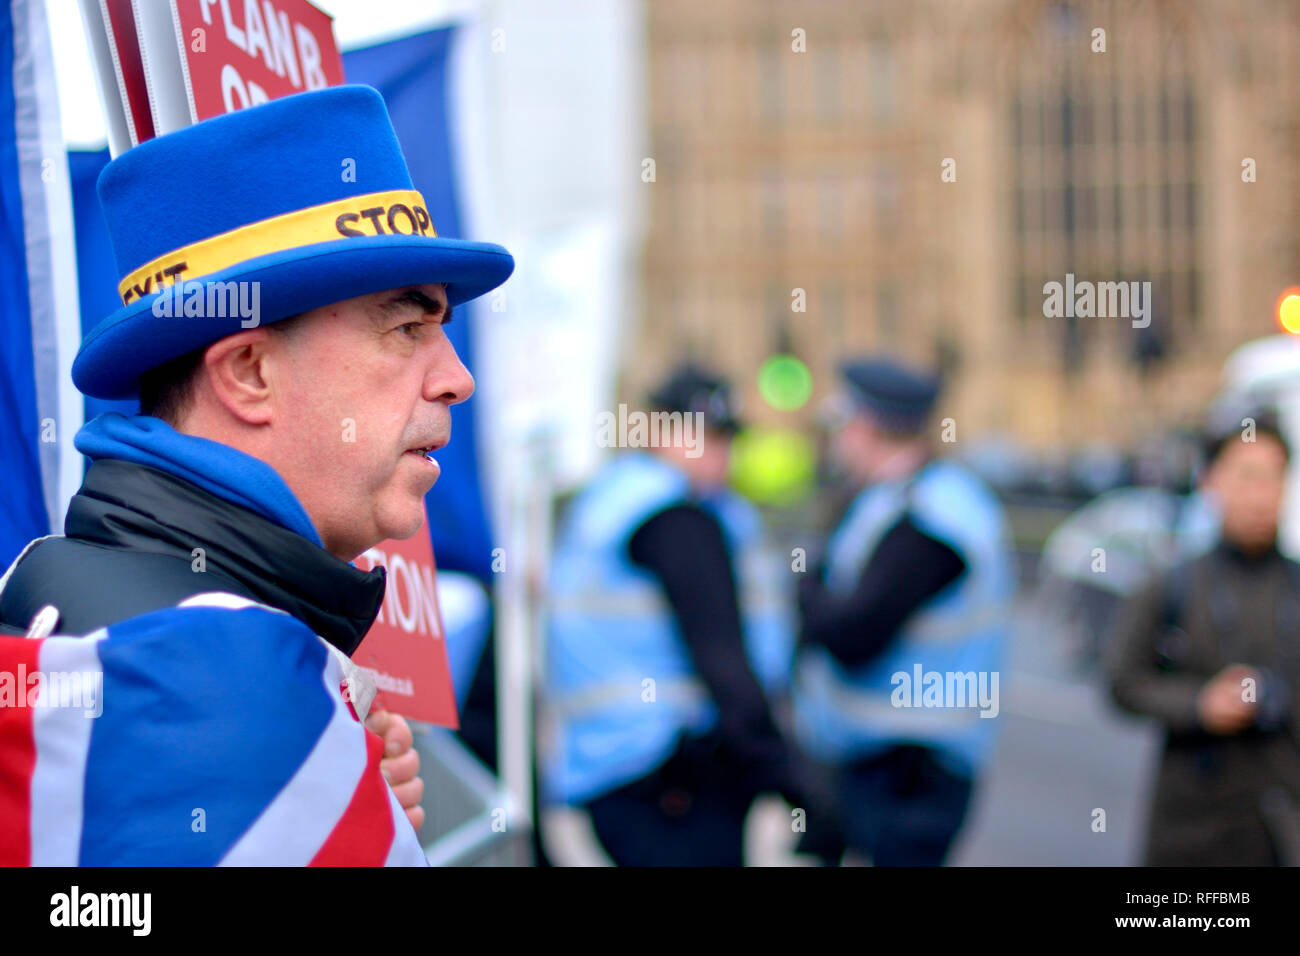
1107, 549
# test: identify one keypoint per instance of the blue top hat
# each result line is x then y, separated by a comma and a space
259, 196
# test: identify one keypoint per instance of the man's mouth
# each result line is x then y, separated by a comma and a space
425, 452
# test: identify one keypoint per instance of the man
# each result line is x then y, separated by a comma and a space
1210, 650
294, 379
660, 646
914, 590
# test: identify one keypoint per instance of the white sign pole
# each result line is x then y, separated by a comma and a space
112, 95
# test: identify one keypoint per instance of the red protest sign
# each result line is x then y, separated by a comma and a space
404, 651
111, 40
236, 54
163, 65
124, 48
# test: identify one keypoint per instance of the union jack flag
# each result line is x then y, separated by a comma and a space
212, 733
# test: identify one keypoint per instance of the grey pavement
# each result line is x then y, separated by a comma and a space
1064, 751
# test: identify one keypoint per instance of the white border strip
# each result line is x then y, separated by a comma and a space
296, 824
163, 76
62, 738
103, 56
119, 75
51, 255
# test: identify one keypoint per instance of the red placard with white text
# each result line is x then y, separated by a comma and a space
119, 20
238, 53
162, 65
404, 650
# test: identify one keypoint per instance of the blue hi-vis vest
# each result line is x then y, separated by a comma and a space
620, 685
926, 687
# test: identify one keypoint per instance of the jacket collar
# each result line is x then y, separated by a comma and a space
130, 506
220, 469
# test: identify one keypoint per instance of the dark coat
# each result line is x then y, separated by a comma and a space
129, 546
1219, 800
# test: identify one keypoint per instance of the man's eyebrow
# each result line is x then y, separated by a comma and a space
416, 298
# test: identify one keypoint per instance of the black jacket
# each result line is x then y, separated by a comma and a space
128, 548
1219, 800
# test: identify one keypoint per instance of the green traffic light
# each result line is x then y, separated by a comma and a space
785, 383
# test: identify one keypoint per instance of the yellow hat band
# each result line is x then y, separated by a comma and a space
400, 212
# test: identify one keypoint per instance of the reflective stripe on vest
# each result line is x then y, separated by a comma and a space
611, 628
688, 692
843, 715
879, 712
944, 629
604, 604
600, 735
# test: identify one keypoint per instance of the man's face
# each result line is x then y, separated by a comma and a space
1248, 479
361, 388
858, 447
714, 461
708, 464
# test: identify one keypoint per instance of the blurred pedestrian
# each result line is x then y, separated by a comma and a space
1211, 650
660, 646
903, 625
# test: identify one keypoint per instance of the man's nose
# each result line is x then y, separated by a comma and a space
448, 379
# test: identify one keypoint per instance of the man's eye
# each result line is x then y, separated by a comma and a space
418, 328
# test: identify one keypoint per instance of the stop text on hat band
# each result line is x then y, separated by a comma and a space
400, 212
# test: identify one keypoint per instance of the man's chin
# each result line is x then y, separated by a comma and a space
400, 530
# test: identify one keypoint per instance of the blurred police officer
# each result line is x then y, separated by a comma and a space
916, 582
1211, 650
660, 648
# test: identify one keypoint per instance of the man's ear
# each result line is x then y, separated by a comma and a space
237, 374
